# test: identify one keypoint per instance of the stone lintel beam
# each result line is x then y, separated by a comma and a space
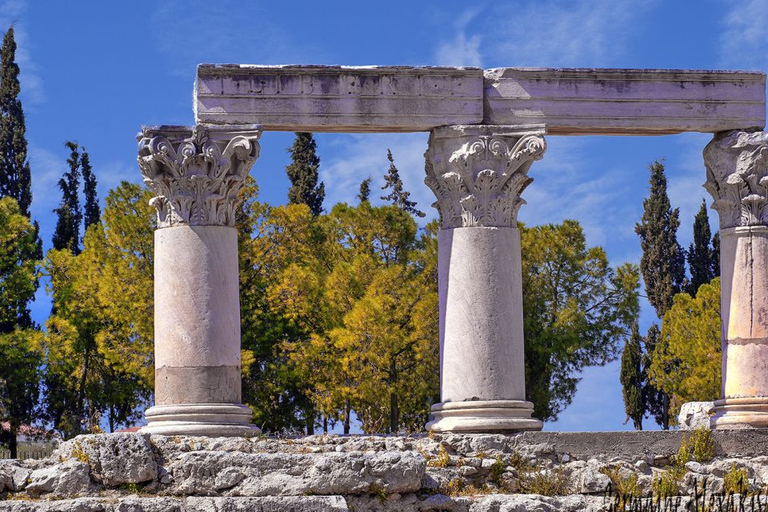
625, 101
737, 179
477, 174
196, 174
339, 98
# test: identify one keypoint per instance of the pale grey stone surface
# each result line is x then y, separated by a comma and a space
69, 478
695, 415
114, 459
625, 101
338, 98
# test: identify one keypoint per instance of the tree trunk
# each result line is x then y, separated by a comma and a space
347, 413
310, 423
394, 413
325, 424
13, 442
665, 417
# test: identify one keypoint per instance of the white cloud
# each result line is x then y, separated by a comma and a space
12, 12
744, 40
463, 50
359, 156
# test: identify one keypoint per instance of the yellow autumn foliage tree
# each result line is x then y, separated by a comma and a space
686, 362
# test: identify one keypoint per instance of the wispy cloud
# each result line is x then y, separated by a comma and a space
12, 12
47, 168
744, 39
579, 33
463, 50
360, 156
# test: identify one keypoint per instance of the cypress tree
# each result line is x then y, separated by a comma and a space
67, 233
663, 261
656, 401
15, 177
633, 379
91, 211
397, 195
700, 252
662, 265
365, 190
303, 174
716, 255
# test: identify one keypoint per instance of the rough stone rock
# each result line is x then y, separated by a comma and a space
114, 459
266, 474
591, 481
695, 415
533, 503
70, 478
164, 504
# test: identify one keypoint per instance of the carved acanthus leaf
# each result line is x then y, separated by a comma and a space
478, 179
196, 173
737, 177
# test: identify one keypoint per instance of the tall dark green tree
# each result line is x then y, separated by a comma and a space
67, 233
91, 210
633, 379
365, 190
716, 255
700, 252
15, 176
398, 196
303, 173
656, 401
662, 263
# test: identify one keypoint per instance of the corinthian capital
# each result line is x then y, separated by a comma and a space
737, 177
478, 172
196, 172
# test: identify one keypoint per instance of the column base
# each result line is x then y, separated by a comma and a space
212, 420
483, 416
740, 413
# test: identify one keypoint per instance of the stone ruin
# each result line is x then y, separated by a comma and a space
487, 128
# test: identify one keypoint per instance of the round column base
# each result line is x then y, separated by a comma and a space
212, 420
483, 416
740, 413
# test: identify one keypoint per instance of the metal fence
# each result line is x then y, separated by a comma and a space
23, 453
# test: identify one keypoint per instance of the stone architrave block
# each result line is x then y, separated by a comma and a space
695, 415
338, 98
624, 101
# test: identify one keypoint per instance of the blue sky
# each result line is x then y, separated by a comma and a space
94, 72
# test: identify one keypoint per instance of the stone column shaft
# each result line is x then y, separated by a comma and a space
737, 178
196, 174
477, 174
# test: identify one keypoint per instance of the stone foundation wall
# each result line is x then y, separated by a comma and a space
467, 473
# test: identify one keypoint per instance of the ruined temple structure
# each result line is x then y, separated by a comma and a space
488, 127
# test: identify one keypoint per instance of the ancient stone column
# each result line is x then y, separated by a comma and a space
196, 174
477, 173
737, 178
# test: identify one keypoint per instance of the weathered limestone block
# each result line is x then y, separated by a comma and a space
265, 474
338, 98
477, 174
69, 478
695, 415
114, 459
737, 178
625, 101
196, 174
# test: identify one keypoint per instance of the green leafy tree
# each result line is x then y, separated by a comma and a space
663, 261
576, 311
701, 256
365, 190
633, 379
20, 352
15, 176
303, 174
69, 214
98, 342
398, 196
690, 343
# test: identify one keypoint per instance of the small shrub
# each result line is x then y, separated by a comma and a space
497, 471
667, 483
442, 460
702, 445
625, 487
545, 483
78, 453
736, 480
